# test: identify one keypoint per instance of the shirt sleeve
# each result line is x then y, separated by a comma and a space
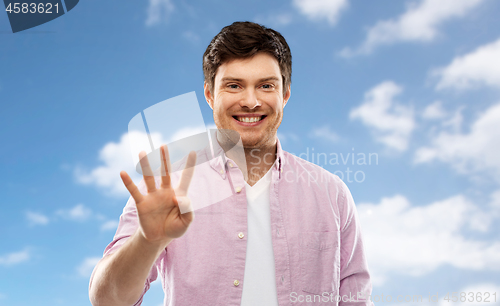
127, 226
355, 280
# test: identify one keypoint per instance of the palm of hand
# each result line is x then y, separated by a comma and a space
159, 214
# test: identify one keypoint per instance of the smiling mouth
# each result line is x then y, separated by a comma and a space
249, 119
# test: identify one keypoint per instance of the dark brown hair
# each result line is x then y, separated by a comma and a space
243, 40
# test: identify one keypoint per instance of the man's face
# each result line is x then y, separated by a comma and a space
248, 98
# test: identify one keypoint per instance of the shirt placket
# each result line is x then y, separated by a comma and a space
279, 237
237, 233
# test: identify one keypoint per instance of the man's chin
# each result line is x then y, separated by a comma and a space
255, 143
249, 142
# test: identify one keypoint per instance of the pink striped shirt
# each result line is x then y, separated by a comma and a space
316, 237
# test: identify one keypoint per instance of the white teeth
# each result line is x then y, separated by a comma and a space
248, 119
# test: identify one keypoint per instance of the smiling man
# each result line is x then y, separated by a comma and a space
289, 234
249, 95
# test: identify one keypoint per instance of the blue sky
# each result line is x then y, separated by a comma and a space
415, 83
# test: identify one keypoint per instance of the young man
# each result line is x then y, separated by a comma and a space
289, 234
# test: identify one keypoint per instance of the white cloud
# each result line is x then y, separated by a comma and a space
15, 258
35, 218
455, 120
78, 213
419, 23
157, 10
415, 240
479, 291
480, 67
495, 200
87, 266
324, 133
434, 111
391, 123
475, 151
109, 225
447, 120
115, 157
319, 10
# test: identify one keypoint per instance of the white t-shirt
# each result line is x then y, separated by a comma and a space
259, 284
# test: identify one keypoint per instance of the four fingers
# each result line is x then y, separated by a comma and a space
185, 180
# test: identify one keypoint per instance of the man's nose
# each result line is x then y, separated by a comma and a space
250, 99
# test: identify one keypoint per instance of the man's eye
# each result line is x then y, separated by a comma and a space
233, 86
267, 86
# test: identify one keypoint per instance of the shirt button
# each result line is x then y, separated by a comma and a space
236, 282
231, 165
238, 189
221, 171
241, 235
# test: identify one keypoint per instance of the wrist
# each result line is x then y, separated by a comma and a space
157, 245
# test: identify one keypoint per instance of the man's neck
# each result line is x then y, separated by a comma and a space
259, 161
255, 161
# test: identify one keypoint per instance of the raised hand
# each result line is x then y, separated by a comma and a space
159, 213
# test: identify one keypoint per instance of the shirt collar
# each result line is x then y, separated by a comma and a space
280, 158
219, 160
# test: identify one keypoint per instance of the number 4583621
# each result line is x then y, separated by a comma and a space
33, 8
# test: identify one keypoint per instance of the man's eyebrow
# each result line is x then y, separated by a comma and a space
228, 79
271, 78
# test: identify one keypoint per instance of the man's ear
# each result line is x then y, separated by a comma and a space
287, 95
208, 95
